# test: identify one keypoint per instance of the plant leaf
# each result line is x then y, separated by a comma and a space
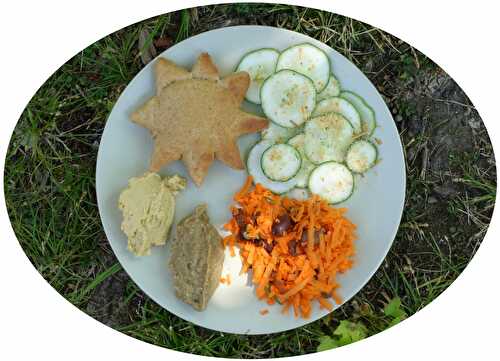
395, 321
326, 343
393, 309
350, 332
147, 50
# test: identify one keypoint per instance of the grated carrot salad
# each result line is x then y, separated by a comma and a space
298, 265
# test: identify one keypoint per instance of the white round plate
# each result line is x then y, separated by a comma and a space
125, 149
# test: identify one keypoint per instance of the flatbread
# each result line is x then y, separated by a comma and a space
196, 117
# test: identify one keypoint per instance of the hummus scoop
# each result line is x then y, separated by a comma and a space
196, 259
148, 207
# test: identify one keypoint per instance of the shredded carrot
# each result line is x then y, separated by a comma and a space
244, 268
264, 311
226, 280
296, 304
336, 297
286, 308
297, 267
324, 303
297, 288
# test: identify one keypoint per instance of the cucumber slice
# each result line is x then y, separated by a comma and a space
332, 89
361, 156
327, 138
308, 60
255, 170
342, 106
298, 193
280, 162
288, 98
307, 166
332, 181
368, 120
278, 134
259, 64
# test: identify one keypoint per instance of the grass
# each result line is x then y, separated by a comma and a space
50, 192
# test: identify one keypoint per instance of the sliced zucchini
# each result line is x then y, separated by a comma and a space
332, 89
288, 98
255, 170
332, 181
368, 120
342, 106
259, 64
278, 134
280, 162
361, 156
307, 166
327, 138
308, 60
298, 193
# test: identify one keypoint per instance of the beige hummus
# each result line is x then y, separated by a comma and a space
148, 206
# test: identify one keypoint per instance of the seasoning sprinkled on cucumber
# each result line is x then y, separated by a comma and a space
332, 181
309, 60
280, 162
327, 137
278, 134
255, 170
332, 89
307, 166
288, 98
259, 64
368, 121
361, 156
341, 106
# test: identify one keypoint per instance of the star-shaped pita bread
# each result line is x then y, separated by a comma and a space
196, 117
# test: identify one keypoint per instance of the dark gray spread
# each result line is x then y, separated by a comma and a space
196, 259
